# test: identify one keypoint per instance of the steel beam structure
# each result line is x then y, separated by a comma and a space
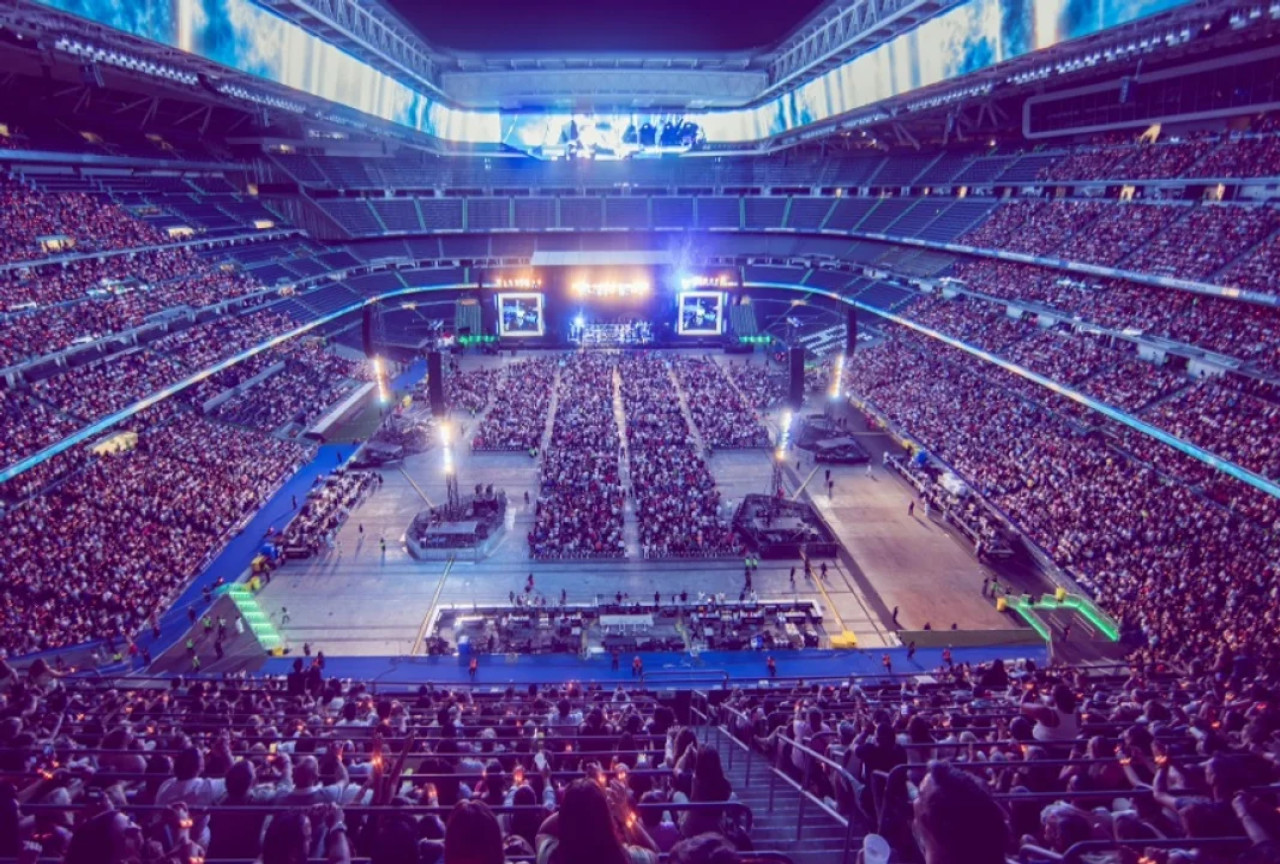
368, 31
840, 31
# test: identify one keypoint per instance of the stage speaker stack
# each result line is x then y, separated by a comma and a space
366, 332
850, 332
795, 394
435, 383
488, 310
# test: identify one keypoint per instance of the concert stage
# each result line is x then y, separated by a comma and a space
829, 443
782, 528
468, 529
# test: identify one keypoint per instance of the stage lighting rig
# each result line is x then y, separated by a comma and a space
610, 288
837, 377
780, 455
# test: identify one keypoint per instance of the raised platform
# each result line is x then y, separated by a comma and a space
661, 670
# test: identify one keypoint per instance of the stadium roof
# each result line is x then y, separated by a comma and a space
603, 26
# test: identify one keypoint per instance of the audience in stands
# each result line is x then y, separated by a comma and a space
30, 218
116, 540
1138, 542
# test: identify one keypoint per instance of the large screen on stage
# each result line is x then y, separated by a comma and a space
701, 313
520, 314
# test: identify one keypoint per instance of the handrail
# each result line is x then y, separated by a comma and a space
840, 770
762, 856
563, 774
656, 741
1075, 853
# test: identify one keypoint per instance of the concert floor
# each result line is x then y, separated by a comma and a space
357, 602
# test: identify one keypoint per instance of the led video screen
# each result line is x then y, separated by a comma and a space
974, 35
701, 313
520, 315
601, 136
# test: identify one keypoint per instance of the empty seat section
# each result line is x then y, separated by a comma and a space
582, 214
718, 212
398, 215
372, 250
1027, 168
353, 215
916, 217
512, 245
626, 212
849, 212
338, 260
985, 170
375, 283
831, 280
854, 171
423, 247
958, 218
348, 172
464, 246
302, 169
882, 295
306, 266
270, 274
672, 212
330, 298
808, 214
487, 214
764, 273
535, 214
428, 276
441, 214
944, 170
765, 212
900, 170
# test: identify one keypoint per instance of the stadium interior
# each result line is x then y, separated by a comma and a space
848, 436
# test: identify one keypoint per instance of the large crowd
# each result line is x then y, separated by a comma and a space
1251, 154
1246, 331
1218, 243
310, 381
469, 391
336, 770
517, 415
678, 506
50, 305
963, 766
1006, 761
580, 497
110, 546
29, 217
723, 416
1182, 571
759, 383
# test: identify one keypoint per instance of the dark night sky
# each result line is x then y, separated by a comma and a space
595, 26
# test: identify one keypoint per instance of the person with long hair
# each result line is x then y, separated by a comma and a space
710, 786
472, 835
594, 827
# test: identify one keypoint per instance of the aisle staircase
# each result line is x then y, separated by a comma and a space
254, 618
784, 818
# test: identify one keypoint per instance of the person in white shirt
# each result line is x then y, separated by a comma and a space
198, 793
